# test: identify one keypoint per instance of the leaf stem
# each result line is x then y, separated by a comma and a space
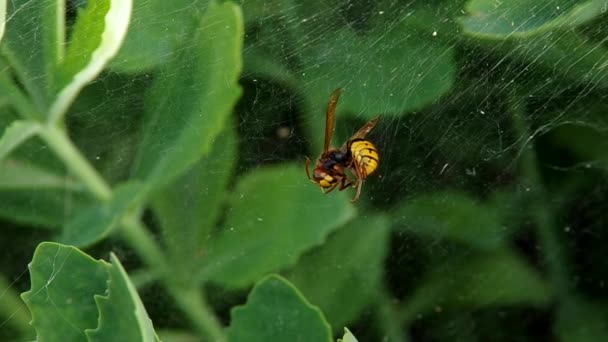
189, 299
61, 144
26, 80
541, 208
138, 237
390, 320
194, 305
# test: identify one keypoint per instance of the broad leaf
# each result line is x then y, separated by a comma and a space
276, 311
61, 299
522, 18
344, 275
193, 97
76, 298
189, 209
453, 216
274, 215
99, 219
15, 134
405, 80
122, 315
97, 35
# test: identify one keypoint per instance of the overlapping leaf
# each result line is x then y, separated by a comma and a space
76, 298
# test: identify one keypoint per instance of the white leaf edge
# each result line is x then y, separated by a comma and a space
2, 18
348, 336
115, 29
143, 320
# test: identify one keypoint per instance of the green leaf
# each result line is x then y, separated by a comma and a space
61, 299
405, 80
343, 276
76, 298
42, 208
15, 134
582, 321
498, 278
17, 175
97, 35
189, 209
523, 18
157, 29
193, 97
275, 215
33, 44
100, 219
122, 315
276, 311
348, 336
454, 216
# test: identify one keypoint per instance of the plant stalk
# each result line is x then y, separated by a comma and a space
541, 208
63, 147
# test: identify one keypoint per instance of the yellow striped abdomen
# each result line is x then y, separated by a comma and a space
365, 155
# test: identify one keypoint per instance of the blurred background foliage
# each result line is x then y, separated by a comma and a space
484, 222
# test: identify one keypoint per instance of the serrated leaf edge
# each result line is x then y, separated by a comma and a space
145, 327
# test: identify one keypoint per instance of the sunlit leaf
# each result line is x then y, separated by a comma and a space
276, 311
61, 299
511, 19
122, 315
97, 35
453, 216
274, 215
345, 274
99, 219
192, 98
348, 336
15, 134
189, 209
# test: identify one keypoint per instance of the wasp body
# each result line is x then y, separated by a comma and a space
357, 155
